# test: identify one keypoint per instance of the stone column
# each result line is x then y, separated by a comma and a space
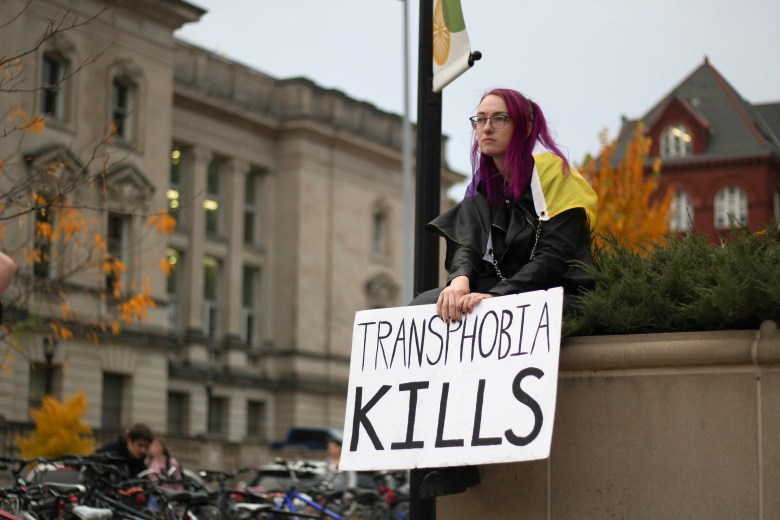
235, 182
196, 218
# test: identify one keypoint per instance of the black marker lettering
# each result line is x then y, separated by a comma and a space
522, 328
419, 341
410, 444
476, 440
440, 441
545, 317
360, 416
365, 339
495, 337
441, 341
530, 403
506, 322
379, 338
401, 336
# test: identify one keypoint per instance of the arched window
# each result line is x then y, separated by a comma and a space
682, 211
731, 207
676, 141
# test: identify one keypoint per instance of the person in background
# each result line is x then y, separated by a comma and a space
338, 479
130, 449
524, 224
7, 273
160, 461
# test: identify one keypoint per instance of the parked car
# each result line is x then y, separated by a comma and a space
313, 438
282, 475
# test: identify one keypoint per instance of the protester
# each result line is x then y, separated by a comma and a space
524, 224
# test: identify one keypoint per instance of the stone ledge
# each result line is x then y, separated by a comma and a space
673, 349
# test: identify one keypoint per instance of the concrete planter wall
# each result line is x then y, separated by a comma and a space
678, 425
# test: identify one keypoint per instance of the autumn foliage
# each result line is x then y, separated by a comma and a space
631, 210
57, 201
59, 429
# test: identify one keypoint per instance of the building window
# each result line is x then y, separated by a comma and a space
178, 413
682, 211
217, 415
252, 208
176, 185
249, 305
255, 419
379, 231
113, 399
174, 288
676, 141
213, 201
211, 281
731, 207
52, 93
37, 387
122, 108
116, 242
42, 242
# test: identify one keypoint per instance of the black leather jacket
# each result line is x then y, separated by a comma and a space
563, 247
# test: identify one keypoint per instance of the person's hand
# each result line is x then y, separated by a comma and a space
447, 306
467, 302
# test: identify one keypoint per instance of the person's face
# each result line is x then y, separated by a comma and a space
137, 448
155, 448
334, 450
493, 141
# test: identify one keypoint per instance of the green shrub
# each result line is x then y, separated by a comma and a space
683, 284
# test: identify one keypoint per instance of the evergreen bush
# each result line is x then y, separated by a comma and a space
682, 284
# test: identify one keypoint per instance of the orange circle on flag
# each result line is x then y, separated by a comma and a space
441, 36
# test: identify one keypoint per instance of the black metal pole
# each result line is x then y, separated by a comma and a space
428, 181
427, 205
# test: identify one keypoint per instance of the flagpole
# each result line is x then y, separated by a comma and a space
408, 292
427, 205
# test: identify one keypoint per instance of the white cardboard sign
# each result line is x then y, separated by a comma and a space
425, 393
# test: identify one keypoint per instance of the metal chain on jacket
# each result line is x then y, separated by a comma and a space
533, 252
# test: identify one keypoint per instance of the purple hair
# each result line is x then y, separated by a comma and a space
519, 159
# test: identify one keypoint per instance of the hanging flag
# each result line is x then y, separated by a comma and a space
451, 51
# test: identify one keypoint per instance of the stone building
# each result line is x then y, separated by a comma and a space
289, 210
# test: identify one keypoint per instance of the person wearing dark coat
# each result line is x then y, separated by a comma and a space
130, 449
525, 224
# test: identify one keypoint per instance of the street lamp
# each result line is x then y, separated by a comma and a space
49, 344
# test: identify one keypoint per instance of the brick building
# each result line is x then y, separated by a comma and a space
720, 153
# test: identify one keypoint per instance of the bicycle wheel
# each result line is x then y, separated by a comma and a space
375, 511
400, 510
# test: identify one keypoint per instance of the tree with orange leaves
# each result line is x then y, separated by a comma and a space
631, 209
55, 205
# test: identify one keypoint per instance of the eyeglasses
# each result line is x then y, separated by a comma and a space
496, 121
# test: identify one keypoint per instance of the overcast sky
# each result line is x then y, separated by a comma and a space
586, 62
